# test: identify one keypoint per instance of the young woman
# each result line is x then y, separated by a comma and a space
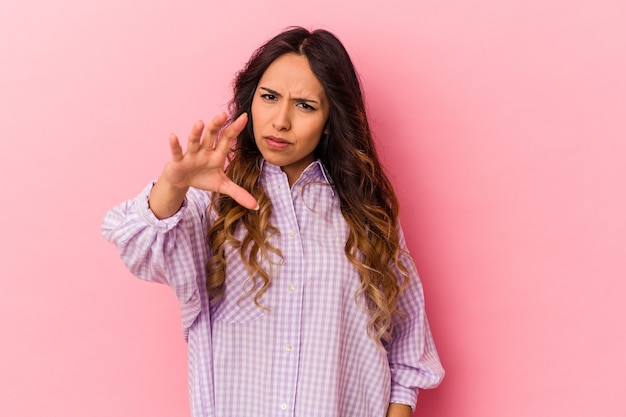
297, 293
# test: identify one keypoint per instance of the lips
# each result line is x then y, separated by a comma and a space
275, 143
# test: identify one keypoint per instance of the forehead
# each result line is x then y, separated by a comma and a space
291, 74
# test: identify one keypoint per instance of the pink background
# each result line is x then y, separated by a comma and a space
503, 127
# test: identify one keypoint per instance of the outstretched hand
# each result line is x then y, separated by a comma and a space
201, 166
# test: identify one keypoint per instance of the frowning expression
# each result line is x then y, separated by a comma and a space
289, 114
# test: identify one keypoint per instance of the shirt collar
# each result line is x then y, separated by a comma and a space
311, 172
316, 171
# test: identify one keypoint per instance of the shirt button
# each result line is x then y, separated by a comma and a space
292, 288
283, 406
292, 234
288, 347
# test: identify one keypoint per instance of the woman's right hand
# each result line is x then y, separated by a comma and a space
201, 166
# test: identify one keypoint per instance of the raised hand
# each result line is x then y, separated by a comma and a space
201, 165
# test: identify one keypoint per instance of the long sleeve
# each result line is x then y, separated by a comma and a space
412, 355
171, 251
311, 352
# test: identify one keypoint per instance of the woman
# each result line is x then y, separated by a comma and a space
297, 294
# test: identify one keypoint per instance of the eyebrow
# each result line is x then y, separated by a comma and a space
299, 99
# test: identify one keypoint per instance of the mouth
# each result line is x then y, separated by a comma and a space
275, 143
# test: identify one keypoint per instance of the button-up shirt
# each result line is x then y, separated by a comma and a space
308, 351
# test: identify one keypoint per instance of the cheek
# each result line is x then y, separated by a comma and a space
259, 119
316, 130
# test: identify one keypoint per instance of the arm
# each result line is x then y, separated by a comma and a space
160, 235
170, 251
399, 410
413, 358
146, 230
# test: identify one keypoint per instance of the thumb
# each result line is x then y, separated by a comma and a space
239, 194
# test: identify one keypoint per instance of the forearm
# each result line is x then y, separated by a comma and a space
165, 200
399, 410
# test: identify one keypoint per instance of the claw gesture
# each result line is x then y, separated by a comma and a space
201, 166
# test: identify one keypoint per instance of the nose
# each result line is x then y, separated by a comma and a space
282, 118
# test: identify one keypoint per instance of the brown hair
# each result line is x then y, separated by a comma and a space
368, 202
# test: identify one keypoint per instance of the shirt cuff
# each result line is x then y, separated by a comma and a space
403, 395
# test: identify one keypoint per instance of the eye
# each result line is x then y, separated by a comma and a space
268, 97
305, 106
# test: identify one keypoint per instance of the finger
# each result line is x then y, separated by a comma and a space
193, 143
239, 194
213, 130
175, 148
231, 132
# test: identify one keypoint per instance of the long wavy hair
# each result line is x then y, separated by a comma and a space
368, 201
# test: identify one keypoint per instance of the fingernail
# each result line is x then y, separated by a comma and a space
257, 207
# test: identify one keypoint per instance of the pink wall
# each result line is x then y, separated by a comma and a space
503, 126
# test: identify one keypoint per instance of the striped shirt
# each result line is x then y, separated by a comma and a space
307, 354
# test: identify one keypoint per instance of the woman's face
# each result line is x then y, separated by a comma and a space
289, 113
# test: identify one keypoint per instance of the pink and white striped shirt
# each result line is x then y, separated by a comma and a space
310, 353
